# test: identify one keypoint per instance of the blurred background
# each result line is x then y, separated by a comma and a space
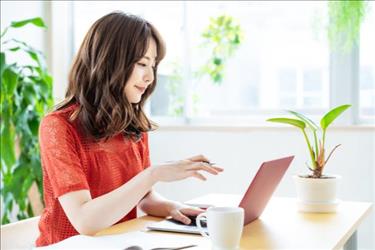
229, 66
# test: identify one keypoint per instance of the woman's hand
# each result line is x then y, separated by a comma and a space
180, 212
179, 170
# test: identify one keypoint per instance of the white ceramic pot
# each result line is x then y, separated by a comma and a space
317, 194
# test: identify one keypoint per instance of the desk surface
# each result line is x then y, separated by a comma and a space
280, 226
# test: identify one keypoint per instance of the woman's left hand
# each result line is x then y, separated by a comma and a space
180, 212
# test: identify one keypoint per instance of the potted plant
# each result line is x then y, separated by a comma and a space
316, 191
26, 95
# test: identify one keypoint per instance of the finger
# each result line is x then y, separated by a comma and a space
203, 166
191, 211
177, 215
198, 175
219, 169
199, 158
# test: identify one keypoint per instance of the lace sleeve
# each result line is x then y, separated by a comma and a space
61, 162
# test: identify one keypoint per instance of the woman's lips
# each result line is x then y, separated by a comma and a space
141, 89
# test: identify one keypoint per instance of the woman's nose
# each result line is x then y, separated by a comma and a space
149, 77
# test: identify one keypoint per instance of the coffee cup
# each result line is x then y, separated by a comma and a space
224, 226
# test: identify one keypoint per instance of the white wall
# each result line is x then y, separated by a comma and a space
241, 150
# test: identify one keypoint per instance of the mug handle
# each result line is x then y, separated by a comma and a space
198, 222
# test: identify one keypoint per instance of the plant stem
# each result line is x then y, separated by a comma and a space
310, 149
324, 138
329, 156
316, 145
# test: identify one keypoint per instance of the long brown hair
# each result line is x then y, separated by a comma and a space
100, 71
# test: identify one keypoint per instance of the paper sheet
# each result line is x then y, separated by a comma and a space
145, 240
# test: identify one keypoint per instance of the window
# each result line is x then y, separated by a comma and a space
367, 67
282, 63
279, 64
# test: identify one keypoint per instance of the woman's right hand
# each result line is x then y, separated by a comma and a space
178, 170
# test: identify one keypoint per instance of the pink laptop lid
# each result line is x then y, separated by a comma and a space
262, 187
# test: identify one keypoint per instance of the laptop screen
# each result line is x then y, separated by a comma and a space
262, 187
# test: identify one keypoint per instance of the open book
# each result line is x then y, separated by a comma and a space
144, 240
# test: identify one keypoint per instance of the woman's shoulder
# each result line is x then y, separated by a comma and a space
143, 139
58, 119
144, 135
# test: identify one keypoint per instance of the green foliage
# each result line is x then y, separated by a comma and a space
316, 151
223, 37
176, 95
332, 115
293, 122
345, 21
26, 95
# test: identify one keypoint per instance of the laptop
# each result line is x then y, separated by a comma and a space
253, 202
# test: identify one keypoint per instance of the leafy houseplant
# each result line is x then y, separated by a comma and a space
316, 150
345, 21
223, 36
174, 87
26, 95
316, 192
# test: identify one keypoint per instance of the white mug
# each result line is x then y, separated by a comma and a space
224, 226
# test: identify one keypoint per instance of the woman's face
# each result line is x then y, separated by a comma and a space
142, 75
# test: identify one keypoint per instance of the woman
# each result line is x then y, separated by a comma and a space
94, 146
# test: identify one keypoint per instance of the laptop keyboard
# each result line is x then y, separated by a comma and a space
192, 223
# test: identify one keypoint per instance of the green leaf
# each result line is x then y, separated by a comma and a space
312, 125
332, 115
20, 173
5, 219
14, 49
29, 94
26, 184
7, 142
217, 61
48, 80
37, 21
2, 63
308, 121
9, 81
34, 55
34, 126
293, 122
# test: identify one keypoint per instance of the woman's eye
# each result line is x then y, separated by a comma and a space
142, 64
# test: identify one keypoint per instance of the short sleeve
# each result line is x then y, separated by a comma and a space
145, 151
59, 154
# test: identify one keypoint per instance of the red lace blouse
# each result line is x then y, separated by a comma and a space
71, 163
